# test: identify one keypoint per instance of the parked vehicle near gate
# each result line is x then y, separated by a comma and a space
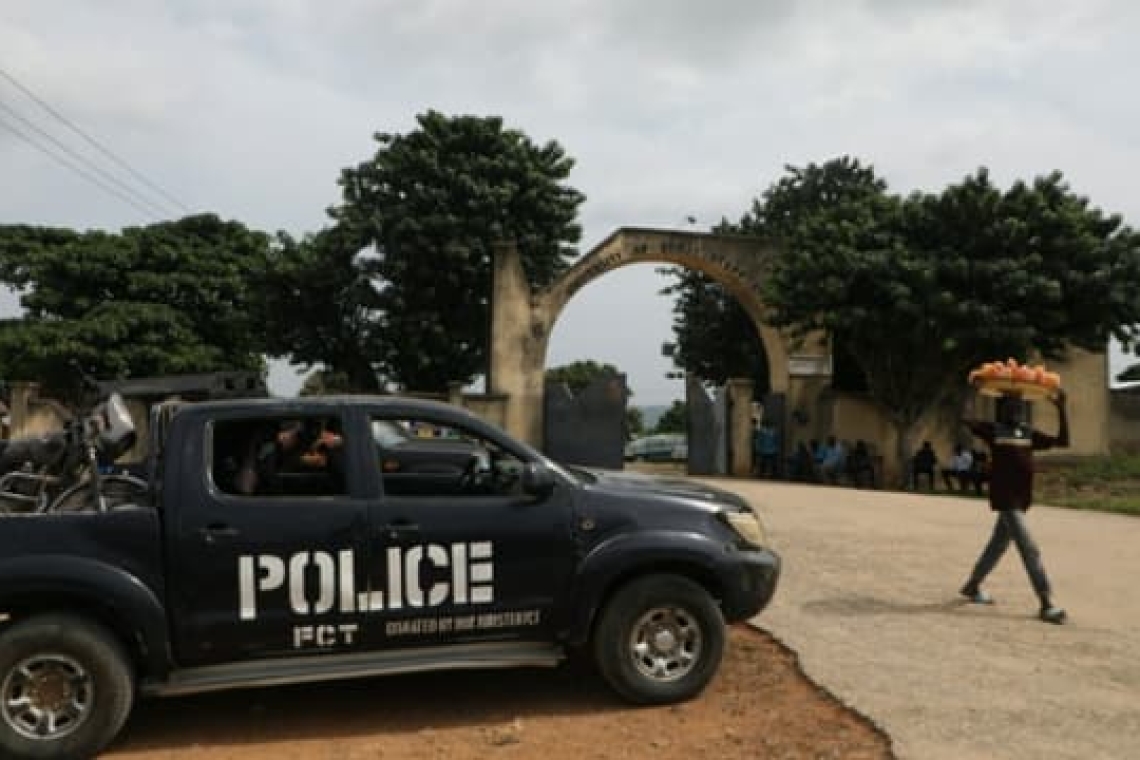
665, 447
277, 543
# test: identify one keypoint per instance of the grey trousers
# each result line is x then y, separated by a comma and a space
1010, 525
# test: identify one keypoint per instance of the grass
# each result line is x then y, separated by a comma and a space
1103, 484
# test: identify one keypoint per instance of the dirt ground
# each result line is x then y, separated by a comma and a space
759, 705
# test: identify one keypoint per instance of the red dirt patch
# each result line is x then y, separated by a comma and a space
759, 705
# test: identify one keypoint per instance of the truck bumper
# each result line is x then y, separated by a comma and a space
750, 584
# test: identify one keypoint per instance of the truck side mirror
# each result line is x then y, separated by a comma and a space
537, 479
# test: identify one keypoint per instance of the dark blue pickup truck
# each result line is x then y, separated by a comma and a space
283, 541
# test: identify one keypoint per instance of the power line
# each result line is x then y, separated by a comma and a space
93, 142
154, 208
78, 170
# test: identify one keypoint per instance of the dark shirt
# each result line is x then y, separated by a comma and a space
1011, 462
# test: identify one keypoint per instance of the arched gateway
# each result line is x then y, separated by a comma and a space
522, 321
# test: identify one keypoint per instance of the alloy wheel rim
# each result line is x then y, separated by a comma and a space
47, 696
666, 643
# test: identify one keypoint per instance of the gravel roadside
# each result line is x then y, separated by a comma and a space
868, 600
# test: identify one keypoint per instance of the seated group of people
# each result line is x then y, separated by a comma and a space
966, 469
832, 462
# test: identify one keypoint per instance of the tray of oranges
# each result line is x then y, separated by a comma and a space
1009, 378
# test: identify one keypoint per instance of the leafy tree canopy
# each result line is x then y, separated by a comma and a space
918, 290
674, 420
577, 376
922, 289
167, 298
323, 383
716, 339
429, 206
634, 422
325, 309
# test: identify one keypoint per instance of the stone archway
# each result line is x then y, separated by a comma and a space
522, 321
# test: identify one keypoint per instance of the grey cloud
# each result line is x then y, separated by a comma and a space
674, 108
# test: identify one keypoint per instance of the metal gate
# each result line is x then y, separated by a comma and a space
706, 433
710, 428
587, 428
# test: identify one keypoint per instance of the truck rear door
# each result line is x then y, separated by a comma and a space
271, 539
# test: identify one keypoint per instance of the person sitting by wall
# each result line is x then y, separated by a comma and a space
922, 466
834, 460
801, 467
960, 469
818, 452
979, 474
861, 466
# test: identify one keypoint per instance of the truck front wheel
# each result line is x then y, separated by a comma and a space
659, 639
65, 688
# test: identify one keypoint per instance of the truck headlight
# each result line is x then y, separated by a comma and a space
747, 526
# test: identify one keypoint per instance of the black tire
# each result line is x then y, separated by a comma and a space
66, 688
117, 490
659, 640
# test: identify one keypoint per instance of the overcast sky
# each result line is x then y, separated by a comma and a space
673, 109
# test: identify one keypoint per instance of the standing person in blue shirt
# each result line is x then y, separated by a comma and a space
765, 450
1012, 443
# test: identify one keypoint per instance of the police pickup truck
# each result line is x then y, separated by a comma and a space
284, 541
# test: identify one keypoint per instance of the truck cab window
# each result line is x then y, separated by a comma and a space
418, 457
279, 456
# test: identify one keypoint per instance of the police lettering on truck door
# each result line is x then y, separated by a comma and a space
467, 567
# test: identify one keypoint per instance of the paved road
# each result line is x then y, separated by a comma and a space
868, 600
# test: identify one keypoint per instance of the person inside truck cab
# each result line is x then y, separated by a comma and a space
274, 449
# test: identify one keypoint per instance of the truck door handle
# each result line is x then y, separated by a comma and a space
399, 530
214, 531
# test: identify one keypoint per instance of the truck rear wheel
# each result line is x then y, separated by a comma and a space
659, 639
66, 688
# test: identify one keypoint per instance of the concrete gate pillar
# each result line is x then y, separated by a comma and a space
518, 348
739, 427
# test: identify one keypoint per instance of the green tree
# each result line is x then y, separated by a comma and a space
324, 309
577, 376
920, 290
674, 420
430, 206
634, 422
323, 382
716, 338
167, 298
